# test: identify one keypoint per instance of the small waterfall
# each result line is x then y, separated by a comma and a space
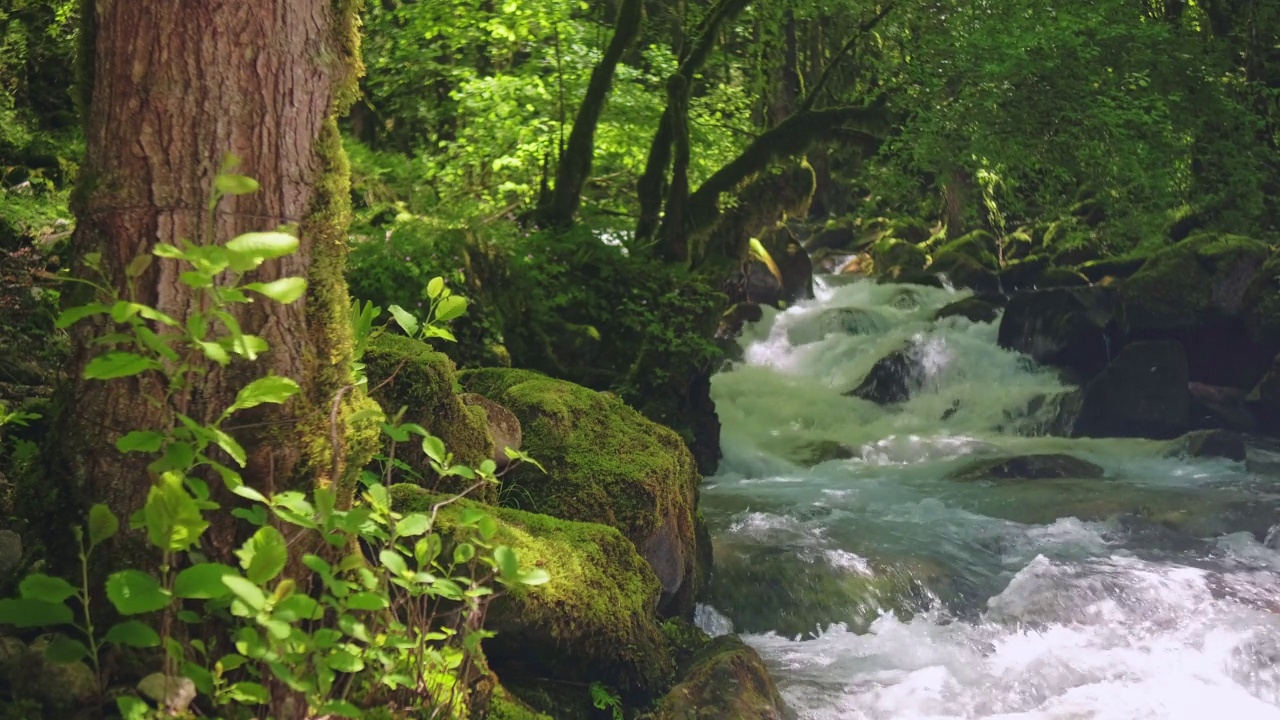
878, 586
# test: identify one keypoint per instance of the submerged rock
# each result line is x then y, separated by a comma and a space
843, 321
595, 620
819, 451
726, 680
1051, 466
1073, 328
1143, 393
605, 463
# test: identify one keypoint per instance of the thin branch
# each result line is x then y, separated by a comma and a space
863, 29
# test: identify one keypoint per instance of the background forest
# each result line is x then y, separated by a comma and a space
604, 192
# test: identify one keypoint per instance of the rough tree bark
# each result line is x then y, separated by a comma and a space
574, 168
173, 86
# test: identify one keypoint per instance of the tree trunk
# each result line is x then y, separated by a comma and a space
175, 86
575, 160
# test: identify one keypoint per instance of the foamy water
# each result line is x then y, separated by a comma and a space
1150, 593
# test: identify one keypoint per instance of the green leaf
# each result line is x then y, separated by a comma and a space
298, 607
196, 279
394, 562
203, 581
246, 592
62, 650
270, 389
264, 555
132, 708
165, 250
451, 307
367, 601
103, 524
133, 633
118, 364
133, 592
38, 586
23, 613
71, 316
284, 290
435, 287
413, 525
534, 576
434, 448
248, 692
488, 527
140, 441
229, 444
404, 319
173, 520
230, 184
508, 562
463, 553
214, 351
340, 708
138, 265
263, 245
343, 661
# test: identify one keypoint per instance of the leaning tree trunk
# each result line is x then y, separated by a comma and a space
173, 87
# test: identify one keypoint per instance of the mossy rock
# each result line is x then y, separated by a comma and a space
965, 272
979, 246
1262, 303
1118, 267
594, 621
1142, 393
1062, 277
406, 372
974, 309
1024, 274
726, 680
913, 230
505, 706
1199, 292
1017, 245
605, 463
892, 256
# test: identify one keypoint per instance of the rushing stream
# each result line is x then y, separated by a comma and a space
876, 587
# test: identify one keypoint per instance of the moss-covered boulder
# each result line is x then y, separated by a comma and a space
503, 426
726, 680
974, 309
979, 246
966, 273
594, 621
891, 256
605, 463
1195, 292
408, 373
1073, 328
913, 230
1023, 274
1118, 267
1142, 393
1062, 277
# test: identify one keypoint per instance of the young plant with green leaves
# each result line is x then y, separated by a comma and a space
342, 607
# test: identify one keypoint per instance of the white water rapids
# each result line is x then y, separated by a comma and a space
876, 587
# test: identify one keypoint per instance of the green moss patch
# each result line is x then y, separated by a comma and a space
408, 373
606, 463
596, 618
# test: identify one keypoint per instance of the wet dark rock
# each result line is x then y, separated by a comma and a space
1142, 393
1023, 274
1263, 401
1213, 406
1073, 328
1052, 466
966, 273
737, 317
726, 680
833, 238
1201, 292
924, 278
1210, 443
1061, 277
893, 379
1121, 267
975, 309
